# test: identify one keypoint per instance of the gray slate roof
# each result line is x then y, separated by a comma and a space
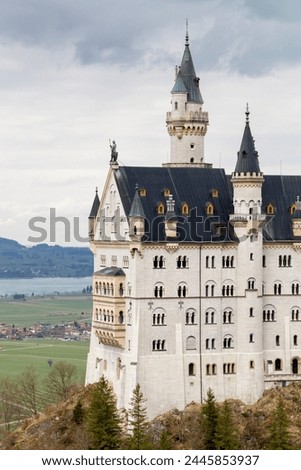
194, 186
247, 157
187, 80
110, 272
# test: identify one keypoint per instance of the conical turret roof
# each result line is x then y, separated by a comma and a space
95, 206
186, 80
247, 157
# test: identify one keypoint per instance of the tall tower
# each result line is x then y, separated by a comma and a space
186, 122
247, 221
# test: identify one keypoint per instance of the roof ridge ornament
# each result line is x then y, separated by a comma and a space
247, 114
187, 35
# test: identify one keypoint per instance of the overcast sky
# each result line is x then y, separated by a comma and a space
76, 73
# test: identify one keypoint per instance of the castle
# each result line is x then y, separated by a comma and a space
197, 273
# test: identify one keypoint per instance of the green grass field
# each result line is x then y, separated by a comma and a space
52, 310
16, 356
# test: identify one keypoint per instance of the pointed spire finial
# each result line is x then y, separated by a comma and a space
187, 35
247, 114
96, 189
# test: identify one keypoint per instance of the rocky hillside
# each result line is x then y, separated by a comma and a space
57, 429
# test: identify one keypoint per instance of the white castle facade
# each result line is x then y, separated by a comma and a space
197, 280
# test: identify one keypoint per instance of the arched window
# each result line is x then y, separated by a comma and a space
295, 288
228, 316
251, 283
270, 210
191, 369
185, 209
159, 345
295, 340
182, 262
277, 288
182, 290
209, 289
210, 317
277, 340
295, 366
190, 343
278, 364
96, 287
295, 314
228, 342
292, 209
191, 317
160, 208
227, 289
159, 262
120, 318
209, 209
159, 290
158, 317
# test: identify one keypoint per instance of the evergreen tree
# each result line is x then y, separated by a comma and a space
279, 435
104, 424
78, 413
138, 423
226, 435
209, 417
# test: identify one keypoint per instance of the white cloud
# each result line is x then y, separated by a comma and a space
75, 74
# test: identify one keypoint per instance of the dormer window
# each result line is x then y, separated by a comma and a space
214, 192
142, 192
185, 209
270, 209
209, 208
160, 208
166, 192
292, 209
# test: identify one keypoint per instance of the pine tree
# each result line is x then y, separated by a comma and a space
279, 435
138, 423
103, 422
225, 436
78, 413
209, 417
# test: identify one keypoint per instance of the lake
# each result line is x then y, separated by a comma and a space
44, 286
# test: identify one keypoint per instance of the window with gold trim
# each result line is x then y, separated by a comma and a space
209, 209
292, 209
142, 192
270, 209
185, 208
160, 208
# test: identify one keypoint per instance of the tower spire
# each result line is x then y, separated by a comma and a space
247, 157
247, 114
187, 35
187, 147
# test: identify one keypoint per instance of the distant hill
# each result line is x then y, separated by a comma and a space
19, 261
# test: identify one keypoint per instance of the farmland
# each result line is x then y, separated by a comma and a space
50, 310
16, 356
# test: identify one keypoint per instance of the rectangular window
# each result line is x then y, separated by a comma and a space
102, 260
264, 262
251, 312
114, 261
125, 261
